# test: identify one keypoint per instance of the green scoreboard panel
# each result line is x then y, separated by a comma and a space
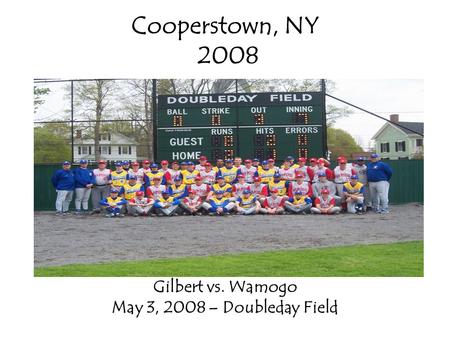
249, 125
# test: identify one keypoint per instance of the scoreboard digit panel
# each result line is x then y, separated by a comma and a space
263, 125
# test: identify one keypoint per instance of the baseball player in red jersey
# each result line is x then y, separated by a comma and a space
164, 166
172, 173
272, 165
199, 188
140, 205
259, 190
299, 185
274, 204
208, 175
202, 163
307, 172
286, 171
135, 171
342, 174
325, 204
248, 170
238, 163
191, 204
155, 190
321, 168
145, 167
240, 186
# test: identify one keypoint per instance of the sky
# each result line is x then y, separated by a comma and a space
384, 97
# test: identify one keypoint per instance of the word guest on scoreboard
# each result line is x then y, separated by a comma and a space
249, 125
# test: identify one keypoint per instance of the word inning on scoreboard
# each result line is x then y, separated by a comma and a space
261, 125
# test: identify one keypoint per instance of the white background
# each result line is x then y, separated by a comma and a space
88, 39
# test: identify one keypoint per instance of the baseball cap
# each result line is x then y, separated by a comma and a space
246, 191
154, 165
177, 179
256, 160
164, 162
118, 164
297, 175
198, 178
248, 161
354, 177
321, 174
276, 175
139, 193
275, 190
134, 164
240, 176
125, 162
229, 161
265, 162
66, 163
145, 162
374, 156
207, 164
166, 192
325, 191
342, 161
220, 177
175, 162
132, 177
190, 163
184, 163
191, 191
102, 162
298, 192
114, 190
289, 158
203, 158
83, 161
321, 161
360, 159
313, 159
257, 179
302, 159
271, 160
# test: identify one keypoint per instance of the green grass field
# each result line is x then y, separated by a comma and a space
398, 259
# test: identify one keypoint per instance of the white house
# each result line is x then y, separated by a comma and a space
394, 142
113, 147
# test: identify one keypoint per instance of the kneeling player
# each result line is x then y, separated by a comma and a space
354, 195
274, 204
325, 204
192, 203
247, 204
140, 205
113, 204
218, 204
299, 204
167, 205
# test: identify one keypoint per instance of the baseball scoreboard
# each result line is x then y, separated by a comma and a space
249, 125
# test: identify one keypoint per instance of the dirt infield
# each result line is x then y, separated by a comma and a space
72, 239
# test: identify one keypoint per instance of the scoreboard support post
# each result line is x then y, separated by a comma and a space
324, 118
154, 120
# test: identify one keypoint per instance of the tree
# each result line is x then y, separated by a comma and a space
341, 143
38, 94
49, 146
93, 98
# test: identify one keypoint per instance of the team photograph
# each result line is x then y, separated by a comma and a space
214, 177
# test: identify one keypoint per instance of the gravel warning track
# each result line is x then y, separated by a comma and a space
60, 240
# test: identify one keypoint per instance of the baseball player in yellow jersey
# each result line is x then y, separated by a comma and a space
118, 177
167, 205
130, 188
281, 186
226, 188
150, 175
218, 204
299, 204
229, 172
113, 204
189, 174
219, 165
178, 190
247, 204
266, 173
272, 165
354, 195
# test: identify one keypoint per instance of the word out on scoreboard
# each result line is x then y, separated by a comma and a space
249, 125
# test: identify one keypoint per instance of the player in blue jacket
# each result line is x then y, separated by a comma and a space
167, 205
64, 182
378, 176
113, 203
84, 181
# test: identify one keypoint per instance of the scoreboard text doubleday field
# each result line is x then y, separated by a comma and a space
249, 125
